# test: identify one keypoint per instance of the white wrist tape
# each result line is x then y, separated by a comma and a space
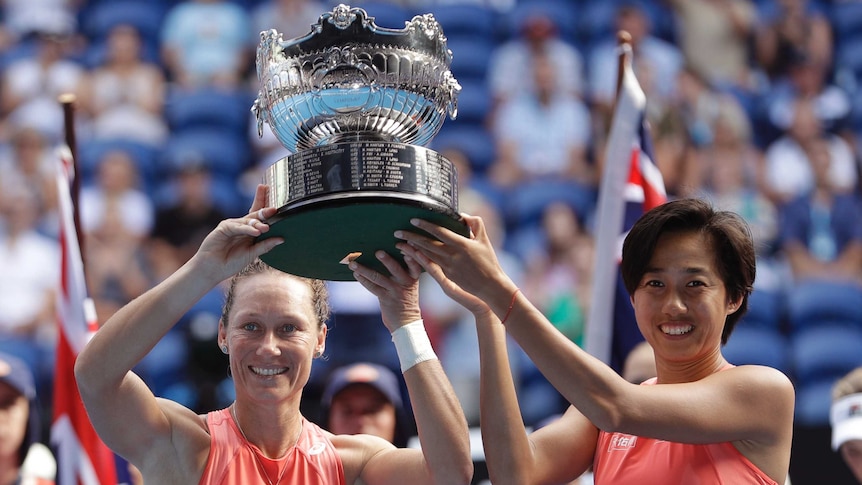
412, 344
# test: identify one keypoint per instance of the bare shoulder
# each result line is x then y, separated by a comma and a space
356, 451
187, 452
759, 378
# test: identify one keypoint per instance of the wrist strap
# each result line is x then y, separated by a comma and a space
412, 344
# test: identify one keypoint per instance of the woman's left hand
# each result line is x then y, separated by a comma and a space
398, 293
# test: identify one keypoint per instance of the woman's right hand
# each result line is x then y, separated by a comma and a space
470, 263
469, 301
233, 243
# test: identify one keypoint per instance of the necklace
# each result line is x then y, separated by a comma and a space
254, 453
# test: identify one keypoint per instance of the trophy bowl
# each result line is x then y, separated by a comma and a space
355, 104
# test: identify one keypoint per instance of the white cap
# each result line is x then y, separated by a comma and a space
846, 420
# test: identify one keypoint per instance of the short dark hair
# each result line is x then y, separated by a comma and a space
319, 293
731, 240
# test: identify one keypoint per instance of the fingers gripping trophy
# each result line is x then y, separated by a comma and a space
355, 104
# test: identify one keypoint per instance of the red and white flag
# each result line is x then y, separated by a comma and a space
631, 185
82, 457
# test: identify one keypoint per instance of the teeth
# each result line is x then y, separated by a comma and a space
267, 372
676, 330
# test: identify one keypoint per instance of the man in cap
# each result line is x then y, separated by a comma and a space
364, 398
846, 420
19, 427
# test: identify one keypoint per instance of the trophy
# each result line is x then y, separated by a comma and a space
355, 104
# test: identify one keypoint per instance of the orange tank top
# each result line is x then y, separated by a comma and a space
313, 461
623, 459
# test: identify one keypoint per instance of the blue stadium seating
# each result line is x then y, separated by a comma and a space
527, 201
825, 349
757, 345
208, 108
811, 302
98, 19
223, 151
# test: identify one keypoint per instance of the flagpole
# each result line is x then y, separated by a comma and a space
67, 101
598, 337
624, 41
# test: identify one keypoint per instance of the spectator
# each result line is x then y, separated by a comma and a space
808, 80
654, 59
116, 217
559, 274
365, 398
538, 36
30, 265
790, 28
846, 420
185, 216
125, 95
714, 36
22, 18
542, 133
117, 196
23, 458
788, 171
207, 43
30, 163
31, 85
821, 230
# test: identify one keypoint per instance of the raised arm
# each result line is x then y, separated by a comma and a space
559, 452
726, 406
445, 456
124, 411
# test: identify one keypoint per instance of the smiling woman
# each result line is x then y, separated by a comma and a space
273, 326
689, 270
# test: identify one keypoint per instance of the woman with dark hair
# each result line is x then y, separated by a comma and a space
689, 270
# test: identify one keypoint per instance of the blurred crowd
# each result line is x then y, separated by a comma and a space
753, 104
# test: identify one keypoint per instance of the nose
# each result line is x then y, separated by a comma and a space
269, 344
674, 304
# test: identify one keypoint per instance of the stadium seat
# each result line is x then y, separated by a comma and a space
474, 102
91, 152
98, 19
224, 152
208, 108
825, 349
466, 20
470, 58
757, 345
527, 201
813, 400
766, 309
472, 139
811, 302
846, 19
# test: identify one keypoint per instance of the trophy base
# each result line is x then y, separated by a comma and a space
321, 238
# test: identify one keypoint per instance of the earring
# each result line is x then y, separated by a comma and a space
318, 354
224, 349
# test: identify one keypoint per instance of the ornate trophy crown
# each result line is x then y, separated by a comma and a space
350, 80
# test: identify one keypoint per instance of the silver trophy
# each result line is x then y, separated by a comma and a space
355, 104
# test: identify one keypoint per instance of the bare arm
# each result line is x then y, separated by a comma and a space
445, 457
560, 452
123, 409
727, 406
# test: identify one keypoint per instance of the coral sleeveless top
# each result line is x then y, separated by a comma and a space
235, 461
622, 459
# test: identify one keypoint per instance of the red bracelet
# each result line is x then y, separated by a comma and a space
511, 305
